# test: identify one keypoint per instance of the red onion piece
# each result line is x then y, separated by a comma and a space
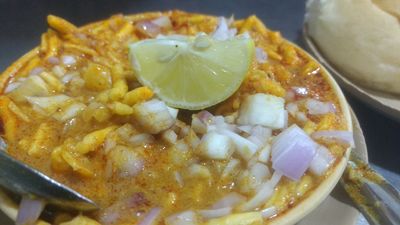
343, 137
261, 56
148, 28
322, 160
215, 213
53, 60
150, 217
230, 200
316, 107
292, 152
205, 116
29, 211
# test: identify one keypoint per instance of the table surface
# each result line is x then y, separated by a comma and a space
22, 22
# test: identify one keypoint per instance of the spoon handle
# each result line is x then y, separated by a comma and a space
376, 198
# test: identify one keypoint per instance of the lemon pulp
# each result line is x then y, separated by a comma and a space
192, 72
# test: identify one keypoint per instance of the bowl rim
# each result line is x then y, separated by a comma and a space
295, 214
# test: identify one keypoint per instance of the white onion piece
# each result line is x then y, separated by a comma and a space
269, 212
109, 144
260, 172
68, 60
178, 178
182, 146
109, 218
290, 95
261, 56
263, 194
53, 60
230, 200
292, 152
264, 154
150, 217
341, 136
69, 112
322, 160
245, 128
244, 147
68, 77
58, 71
29, 211
11, 86
222, 32
36, 71
292, 108
230, 168
300, 91
141, 139
215, 213
173, 112
262, 134
162, 21
169, 136
301, 116
183, 218
198, 126
316, 107
149, 28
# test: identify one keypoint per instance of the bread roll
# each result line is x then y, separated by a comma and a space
360, 38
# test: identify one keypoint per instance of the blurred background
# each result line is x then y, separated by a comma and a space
23, 21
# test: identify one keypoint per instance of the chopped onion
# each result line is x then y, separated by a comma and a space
169, 136
269, 212
259, 172
222, 32
260, 135
198, 125
341, 136
149, 28
68, 60
244, 147
58, 71
300, 91
109, 144
178, 178
36, 71
263, 194
301, 116
292, 108
290, 95
263, 156
109, 218
316, 107
229, 201
150, 217
154, 116
261, 56
205, 116
322, 160
68, 77
11, 86
53, 60
183, 218
230, 168
69, 112
29, 211
245, 128
292, 152
162, 21
215, 213
141, 139
182, 146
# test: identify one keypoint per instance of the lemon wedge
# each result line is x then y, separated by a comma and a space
192, 72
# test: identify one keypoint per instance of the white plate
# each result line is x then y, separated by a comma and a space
383, 102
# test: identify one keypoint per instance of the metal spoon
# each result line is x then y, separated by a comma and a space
375, 197
26, 181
